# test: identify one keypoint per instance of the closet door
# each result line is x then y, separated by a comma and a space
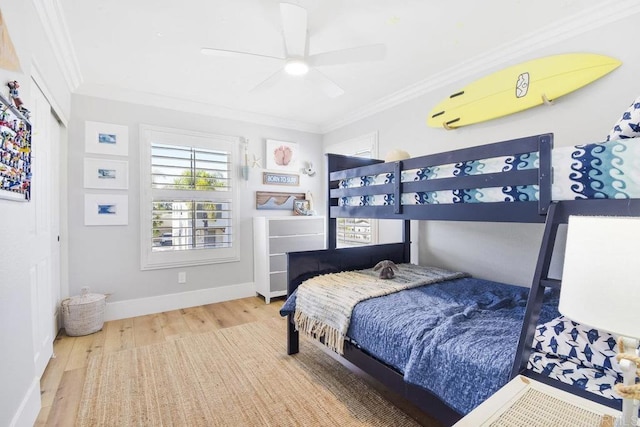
44, 271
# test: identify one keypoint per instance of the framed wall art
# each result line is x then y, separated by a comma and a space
106, 138
106, 209
276, 201
108, 174
281, 155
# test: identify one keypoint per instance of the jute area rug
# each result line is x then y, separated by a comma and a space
238, 376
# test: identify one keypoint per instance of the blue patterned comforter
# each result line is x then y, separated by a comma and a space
588, 171
457, 339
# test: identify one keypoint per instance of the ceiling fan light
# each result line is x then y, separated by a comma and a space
296, 67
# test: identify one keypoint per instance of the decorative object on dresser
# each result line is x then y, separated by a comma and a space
273, 237
302, 207
276, 200
600, 289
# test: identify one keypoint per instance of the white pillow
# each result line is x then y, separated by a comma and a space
629, 125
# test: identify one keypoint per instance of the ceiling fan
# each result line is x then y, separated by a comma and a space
297, 61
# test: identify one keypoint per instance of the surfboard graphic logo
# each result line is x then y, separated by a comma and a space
522, 85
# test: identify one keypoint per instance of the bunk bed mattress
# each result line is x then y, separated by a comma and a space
456, 339
608, 169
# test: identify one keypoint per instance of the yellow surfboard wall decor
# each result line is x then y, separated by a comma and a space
520, 87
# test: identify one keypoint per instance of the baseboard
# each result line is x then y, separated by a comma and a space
143, 306
29, 408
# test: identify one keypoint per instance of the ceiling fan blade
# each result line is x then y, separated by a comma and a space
328, 86
269, 82
294, 29
373, 52
223, 53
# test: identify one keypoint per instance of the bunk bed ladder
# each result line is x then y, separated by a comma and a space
536, 294
558, 214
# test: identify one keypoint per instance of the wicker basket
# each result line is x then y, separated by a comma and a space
84, 314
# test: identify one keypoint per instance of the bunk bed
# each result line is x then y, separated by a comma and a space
523, 180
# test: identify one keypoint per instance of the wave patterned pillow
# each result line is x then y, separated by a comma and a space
629, 125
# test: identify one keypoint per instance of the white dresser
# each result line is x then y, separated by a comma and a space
273, 237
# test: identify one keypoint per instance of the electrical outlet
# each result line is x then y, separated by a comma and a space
182, 277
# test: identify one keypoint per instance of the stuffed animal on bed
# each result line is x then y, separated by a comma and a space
386, 268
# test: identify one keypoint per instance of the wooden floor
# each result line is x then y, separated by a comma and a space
62, 382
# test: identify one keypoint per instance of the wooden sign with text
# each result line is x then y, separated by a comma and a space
280, 178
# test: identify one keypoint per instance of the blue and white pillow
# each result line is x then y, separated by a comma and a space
629, 125
578, 343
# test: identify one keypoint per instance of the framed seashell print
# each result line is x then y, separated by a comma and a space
281, 155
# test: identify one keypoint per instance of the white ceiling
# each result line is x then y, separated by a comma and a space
149, 50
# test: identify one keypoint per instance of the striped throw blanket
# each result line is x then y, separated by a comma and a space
324, 303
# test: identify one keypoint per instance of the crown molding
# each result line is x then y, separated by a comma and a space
589, 19
55, 27
189, 106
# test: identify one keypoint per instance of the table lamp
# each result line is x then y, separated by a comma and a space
601, 289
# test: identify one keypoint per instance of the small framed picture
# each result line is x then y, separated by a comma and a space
106, 138
281, 155
106, 209
301, 207
107, 174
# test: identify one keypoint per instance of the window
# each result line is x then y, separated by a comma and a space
356, 231
353, 231
188, 198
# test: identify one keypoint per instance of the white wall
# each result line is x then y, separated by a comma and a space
507, 252
107, 259
19, 386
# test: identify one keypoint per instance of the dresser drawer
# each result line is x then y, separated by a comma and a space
279, 245
296, 226
278, 281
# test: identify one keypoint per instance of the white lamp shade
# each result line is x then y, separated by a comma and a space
601, 274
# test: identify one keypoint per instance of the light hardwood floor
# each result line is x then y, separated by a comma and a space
62, 382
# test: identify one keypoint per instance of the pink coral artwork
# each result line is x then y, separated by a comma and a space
281, 155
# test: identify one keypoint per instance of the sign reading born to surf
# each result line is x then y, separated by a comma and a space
280, 178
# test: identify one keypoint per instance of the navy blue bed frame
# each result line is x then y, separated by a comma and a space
304, 265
